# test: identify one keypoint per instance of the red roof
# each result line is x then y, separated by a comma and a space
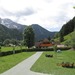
45, 45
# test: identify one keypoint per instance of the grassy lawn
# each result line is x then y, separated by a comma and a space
4, 49
49, 65
9, 61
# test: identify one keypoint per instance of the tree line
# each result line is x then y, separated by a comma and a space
66, 29
6, 33
27, 39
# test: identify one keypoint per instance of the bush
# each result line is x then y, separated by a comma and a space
67, 64
10, 52
31, 50
38, 49
64, 48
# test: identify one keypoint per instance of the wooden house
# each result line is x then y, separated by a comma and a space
43, 44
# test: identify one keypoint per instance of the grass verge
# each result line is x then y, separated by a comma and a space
49, 65
8, 62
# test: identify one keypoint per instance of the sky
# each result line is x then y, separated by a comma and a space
50, 14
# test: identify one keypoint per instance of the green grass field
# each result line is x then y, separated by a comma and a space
49, 65
4, 49
9, 61
68, 37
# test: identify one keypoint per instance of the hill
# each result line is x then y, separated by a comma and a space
41, 33
68, 27
68, 37
6, 33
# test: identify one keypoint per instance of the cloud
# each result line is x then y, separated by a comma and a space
4, 12
17, 15
50, 14
26, 12
48, 1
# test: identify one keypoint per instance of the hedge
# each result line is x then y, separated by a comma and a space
31, 50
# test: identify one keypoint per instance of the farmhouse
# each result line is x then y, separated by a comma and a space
43, 44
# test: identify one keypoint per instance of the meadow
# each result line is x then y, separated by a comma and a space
9, 61
50, 65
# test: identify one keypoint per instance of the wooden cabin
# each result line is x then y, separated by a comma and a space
43, 44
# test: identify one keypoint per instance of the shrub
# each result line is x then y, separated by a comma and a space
67, 64
55, 48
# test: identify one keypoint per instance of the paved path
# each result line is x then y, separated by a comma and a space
23, 68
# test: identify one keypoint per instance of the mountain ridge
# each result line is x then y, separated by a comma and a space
12, 25
40, 32
68, 27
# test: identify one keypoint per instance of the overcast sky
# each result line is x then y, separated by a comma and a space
50, 14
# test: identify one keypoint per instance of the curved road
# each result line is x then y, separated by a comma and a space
23, 68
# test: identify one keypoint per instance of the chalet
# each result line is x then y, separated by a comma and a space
43, 44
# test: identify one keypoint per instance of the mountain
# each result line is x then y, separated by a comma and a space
10, 24
6, 33
41, 33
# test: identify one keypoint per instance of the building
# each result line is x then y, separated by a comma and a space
43, 44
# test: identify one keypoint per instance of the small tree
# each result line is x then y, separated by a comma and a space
49, 38
14, 42
6, 42
55, 48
